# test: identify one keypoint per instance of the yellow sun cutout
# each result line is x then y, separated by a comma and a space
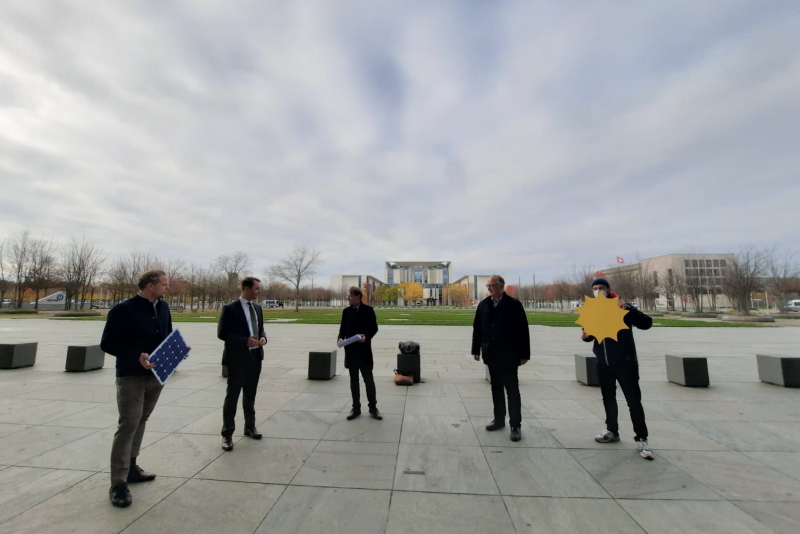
601, 317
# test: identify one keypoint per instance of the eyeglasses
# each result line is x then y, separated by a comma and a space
490, 286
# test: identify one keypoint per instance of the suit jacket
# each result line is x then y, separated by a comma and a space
355, 322
233, 330
501, 334
132, 327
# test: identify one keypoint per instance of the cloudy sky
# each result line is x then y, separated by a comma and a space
508, 136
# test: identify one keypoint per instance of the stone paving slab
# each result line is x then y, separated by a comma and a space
726, 456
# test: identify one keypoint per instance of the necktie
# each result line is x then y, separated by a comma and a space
253, 320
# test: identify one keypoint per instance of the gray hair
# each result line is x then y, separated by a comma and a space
500, 279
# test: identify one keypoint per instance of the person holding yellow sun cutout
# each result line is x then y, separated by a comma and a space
609, 327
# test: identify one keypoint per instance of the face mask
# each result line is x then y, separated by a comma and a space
598, 291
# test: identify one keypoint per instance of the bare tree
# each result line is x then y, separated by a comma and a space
42, 267
295, 267
742, 277
234, 266
782, 270
623, 282
3, 272
81, 262
681, 288
667, 284
18, 256
645, 283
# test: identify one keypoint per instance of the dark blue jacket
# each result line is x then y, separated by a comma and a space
132, 327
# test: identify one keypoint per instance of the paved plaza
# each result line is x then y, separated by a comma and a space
727, 456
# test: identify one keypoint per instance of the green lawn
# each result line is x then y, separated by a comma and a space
415, 316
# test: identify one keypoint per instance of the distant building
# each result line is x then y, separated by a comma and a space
431, 275
477, 285
340, 283
681, 275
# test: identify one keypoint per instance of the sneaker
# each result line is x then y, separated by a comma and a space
606, 436
644, 450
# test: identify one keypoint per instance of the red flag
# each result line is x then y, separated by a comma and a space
620, 260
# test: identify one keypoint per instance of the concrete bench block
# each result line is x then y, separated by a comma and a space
85, 358
322, 365
15, 355
687, 370
586, 370
410, 363
779, 370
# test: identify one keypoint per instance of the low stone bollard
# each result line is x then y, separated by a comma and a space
16, 355
322, 365
82, 358
586, 370
779, 370
687, 370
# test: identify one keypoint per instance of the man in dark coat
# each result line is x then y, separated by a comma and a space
134, 329
500, 333
359, 319
617, 362
241, 327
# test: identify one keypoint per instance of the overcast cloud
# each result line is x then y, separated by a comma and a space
502, 136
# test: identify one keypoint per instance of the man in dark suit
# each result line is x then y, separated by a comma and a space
241, 327
134, 329
500, 333
359, 319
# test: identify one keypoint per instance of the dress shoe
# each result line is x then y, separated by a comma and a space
353, 414
516, 435
227, 444
495, 425
137, 474
376, 414
120, 495
252, 433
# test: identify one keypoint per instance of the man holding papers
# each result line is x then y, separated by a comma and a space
359, 320
134, 329
241, 327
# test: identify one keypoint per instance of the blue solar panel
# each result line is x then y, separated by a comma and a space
168, 356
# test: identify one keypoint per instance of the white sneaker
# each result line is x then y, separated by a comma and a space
644, 450
606, 437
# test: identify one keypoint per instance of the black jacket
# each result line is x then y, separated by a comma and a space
622, 351
501, 334
132, 328
355, 322
233, 330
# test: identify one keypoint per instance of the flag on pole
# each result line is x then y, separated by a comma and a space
620, 260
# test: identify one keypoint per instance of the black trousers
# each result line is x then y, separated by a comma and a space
242, 376
628, 378
505, 380
369, 383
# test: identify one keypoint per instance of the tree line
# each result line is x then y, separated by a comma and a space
85, 274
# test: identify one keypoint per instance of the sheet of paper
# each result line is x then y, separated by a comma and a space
348, 341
